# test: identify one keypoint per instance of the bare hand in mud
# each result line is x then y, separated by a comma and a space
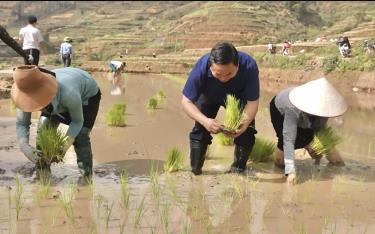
291, 180
212, 125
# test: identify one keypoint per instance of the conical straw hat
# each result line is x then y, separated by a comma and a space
318, 97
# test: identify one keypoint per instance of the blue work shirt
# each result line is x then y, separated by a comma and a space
66, 48
245, 84
74, 88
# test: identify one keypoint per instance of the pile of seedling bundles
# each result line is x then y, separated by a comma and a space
262, 150
50, 142
154, 101
116, 115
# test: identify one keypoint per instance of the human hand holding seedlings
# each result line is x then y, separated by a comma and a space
291, 180
248, 116
212, 125
68, 142
28, 150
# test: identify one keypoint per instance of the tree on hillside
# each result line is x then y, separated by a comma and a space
303, 13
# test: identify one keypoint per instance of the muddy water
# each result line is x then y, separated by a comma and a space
326, 199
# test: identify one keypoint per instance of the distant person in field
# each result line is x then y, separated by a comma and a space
297, 113
117, 67
66, 95
66, 51
271, 48
286, 48
223, 71
31, 39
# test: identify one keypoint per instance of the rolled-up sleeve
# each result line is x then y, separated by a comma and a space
23, 124
73, 104
289, 136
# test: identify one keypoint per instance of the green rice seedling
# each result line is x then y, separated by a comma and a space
12, 106
122, 227
224, 140
262, 150
187, 227
175, 160
154, 176
124, 189
325, 140
152, 103
233, 113
51, 141
91, 184
238, 189
139, 212
108, 212
18, 196
44, 186
66, 199
165, 217
116, 115
98, 203
160, 96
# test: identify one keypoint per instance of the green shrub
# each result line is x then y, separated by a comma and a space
330, 63
51, 141
175, 160
325, 140
262, 150
116, 115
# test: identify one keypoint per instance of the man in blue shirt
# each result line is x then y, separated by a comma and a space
66, 51
221, 72
66, 95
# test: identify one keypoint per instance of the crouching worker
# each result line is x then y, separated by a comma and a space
117, 68
66, 95
221, 72
297, 114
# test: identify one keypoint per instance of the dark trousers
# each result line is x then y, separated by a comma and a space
35, 53
199, 132
66, 60
304, 135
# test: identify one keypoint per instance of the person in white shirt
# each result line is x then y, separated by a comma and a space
31, 39
116, 68
66, 51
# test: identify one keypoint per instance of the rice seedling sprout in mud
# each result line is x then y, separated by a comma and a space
51, 141
160, 96
154, 176
139, 212
238, 188
18, 196
108, 212
165, 217
44, 186
98, 203
91, 184
325, 140
224, 140
262, 150
175, 160
116, 115
233, 113
66, 199
152, 103
124, 189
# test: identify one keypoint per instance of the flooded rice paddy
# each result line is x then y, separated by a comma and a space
326, 199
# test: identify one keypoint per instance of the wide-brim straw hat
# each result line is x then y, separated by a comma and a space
32, 89
318, 97
67, 39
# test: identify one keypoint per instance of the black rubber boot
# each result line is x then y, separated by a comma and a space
197, 156
241, 155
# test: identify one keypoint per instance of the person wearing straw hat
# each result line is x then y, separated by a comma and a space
296, 114
66, 51
116, 68
65, 95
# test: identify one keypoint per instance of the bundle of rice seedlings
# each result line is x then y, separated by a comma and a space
160, 96
224, 140
325, 140
152, 103
175, 160
51, 141
262, 150
233, 113
116, 115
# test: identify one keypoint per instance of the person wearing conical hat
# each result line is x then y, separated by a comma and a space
65, 95
66, 51
296, 114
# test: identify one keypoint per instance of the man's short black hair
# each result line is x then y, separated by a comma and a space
32, 19
224, 53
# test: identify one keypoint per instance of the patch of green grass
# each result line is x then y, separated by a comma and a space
152, 103
325, 140
330, 63
116, 115
51, 140
175, 160
224, 140
233, 113
262, 150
